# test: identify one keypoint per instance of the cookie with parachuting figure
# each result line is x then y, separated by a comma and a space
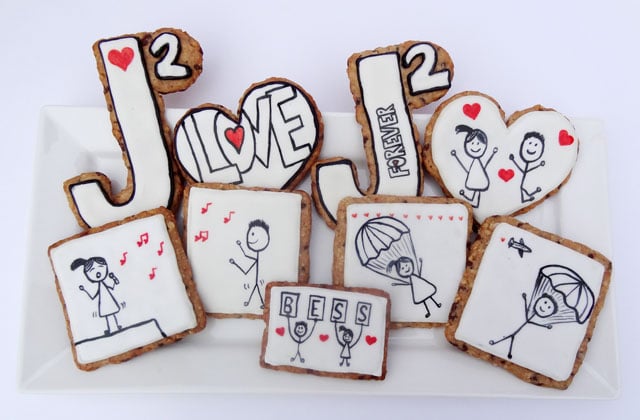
529, 301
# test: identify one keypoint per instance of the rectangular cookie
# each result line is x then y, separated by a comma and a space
239, 239
529, 301
125, 289
326, 330
414, 248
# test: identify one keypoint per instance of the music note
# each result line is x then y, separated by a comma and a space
152, 275
228, 218
203, 235
123, 260
144, 239
205, 209
161, 250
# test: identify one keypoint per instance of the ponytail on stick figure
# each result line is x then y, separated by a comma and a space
97, 271
475, 147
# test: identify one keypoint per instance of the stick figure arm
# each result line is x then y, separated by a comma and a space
353, 343
493, 153
455, 155
92, 297
243, 251
232, 261
513, 159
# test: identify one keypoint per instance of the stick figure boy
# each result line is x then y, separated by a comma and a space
257, 241
531, 150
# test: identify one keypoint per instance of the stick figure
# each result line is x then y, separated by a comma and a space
475, 146
344, 336
257, 241
300, 333
531, 150
96, 271
422, 290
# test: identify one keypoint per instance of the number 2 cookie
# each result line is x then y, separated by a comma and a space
499, 167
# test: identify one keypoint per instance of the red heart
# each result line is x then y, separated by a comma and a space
324, 337
280, 331
565, 138
506, 174
366, 214
121, 58
235, 136
418, 216
471, 110
354, 215
370, 339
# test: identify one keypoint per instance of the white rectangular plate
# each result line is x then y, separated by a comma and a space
224, 358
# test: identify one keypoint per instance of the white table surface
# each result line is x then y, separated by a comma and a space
580, 58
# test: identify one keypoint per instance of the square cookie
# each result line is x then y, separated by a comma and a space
240, 239
326, 330
529, 301
125, 289
414, 248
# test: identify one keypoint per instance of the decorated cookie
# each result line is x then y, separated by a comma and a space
239, 239
414, 248
125, 289
326, 331
500, 168
271, 142
529, 301
387, 84
135, 70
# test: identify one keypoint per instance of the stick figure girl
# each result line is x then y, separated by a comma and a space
475, 146
422, 290
531, 150
96, 271
345, 339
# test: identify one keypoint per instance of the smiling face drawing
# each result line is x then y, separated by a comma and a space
475, 147
405, 267
258, 236
532, 147
545, 306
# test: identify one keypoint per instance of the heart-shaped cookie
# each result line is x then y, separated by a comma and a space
271, 142
500, 168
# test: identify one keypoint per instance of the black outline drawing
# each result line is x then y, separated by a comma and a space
519, 246
559, 296
256, 244
108, 306
394, 256
530, 153
475, 147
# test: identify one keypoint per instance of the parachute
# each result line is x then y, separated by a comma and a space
573, 298
381, 241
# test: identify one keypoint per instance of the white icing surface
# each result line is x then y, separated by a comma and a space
390, 124
438, 235
223, 286
141, 299
323, 347
135, 108
496, 307
500, 188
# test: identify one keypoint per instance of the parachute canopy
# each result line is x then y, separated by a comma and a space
573, 298
381, 241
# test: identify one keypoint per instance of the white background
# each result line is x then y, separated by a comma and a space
580, 58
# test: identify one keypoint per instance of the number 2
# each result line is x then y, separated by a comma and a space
424, 78
168, 44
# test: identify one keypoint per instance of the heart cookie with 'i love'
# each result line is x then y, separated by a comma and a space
499, 166
271, 141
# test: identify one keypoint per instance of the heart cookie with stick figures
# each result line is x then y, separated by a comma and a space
499, 166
